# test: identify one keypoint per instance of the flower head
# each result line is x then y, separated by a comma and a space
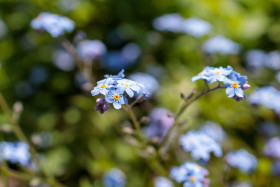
114, 178
115, 96
200, 145
130, 86
214, 131
163, 182
54, 24
196, 27
191, 174
169, 22
234, 85
243, 160
272, 148
90, 50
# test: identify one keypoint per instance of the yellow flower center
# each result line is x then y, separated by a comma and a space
235, 85
116, 96
192, 179
103, 86
127, 85
218, 73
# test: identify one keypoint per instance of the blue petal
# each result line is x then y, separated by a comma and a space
129, 92
117, 105
239, 92
95, 92
212, 79
230, 92
234, 76
195, 78
227, 82
135, 87
242, 80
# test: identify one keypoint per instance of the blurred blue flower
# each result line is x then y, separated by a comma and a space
151, 85
169, 22
38, 75
3, 28
256, 58
90, 50
114, 178
214, 131
63, 60
272, 148
159, 124
221, 45
234, 85
54, 24
163, 182
196, 27
278, 77
273, 60
267, 96
242, 160
269, 129
15, 152
191, 174
200, 145
103, 87
276, 168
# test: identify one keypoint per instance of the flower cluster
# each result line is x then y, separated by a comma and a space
114, 88
90, 50
241, 159
267, 96
235, 84
200, 145
214, 131
221, 45
260, 59
176, 23
114, 178
191, 174
272, 148
15, 152
54, 24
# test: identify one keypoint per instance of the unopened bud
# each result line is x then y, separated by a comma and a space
246, 86
102, 105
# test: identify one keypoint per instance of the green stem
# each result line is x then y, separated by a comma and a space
21, 136
184, 106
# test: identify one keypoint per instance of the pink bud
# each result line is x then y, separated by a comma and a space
246, 86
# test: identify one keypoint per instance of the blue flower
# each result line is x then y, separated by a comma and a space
234, 85
130, 86
90, 50
218, 74
54, 24
243, 160
200, 145
214, 131
221, 45
17, 152
114, 178
256, 58
115, 96
169, 22
202, 75
272, 148
163, 182
196, 27
192, 174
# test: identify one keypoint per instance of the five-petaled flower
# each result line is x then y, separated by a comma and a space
115, 96
234, 85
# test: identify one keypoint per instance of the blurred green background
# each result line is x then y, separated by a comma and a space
85, 144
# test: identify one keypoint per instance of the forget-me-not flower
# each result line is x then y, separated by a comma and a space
115, 96
243, 160
54, 24
272, 148
169, 22
151, 84
200, 145
191, 174
90, 50
163, 182
214, 131
130, 86
114, 178
196, 27
234, 84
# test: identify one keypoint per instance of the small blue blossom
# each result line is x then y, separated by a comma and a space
191, 174
130, 86
115, 96
17, 152
276, 168
163, 182
196, 27
214, 131
63, 60
278, 77
102, 87
241, 159
234, 85
159, 124
114, 178
256, 58
54, 24
200, 145
202, 75
221, 45
272, 148
90, 50
273, 60
169, 22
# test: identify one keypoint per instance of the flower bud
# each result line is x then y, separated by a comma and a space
245, 86
102, 105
